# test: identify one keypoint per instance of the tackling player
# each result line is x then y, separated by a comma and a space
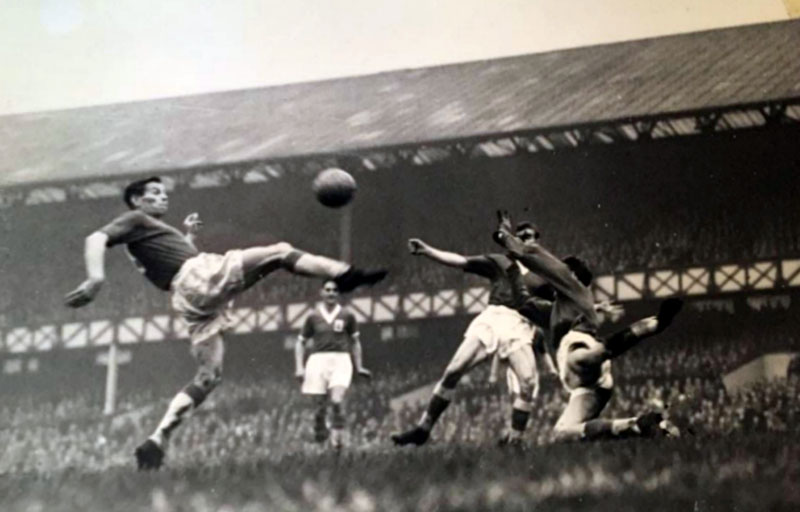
583, 359
335, 341
500, 329
201, 285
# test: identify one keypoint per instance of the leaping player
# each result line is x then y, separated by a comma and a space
500, 329
582, 358
336, 349
201, 285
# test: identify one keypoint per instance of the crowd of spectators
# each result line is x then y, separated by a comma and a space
680, 243
251, 418
246, 422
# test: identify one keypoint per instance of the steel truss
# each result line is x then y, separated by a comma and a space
751, 116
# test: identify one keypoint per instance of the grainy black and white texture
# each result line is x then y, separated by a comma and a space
701, 203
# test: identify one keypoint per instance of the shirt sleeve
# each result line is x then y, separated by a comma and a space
558, 275
482, 265
123, 228
538, 311
352, 324
308, 328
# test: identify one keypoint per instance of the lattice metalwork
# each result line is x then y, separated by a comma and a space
697, 281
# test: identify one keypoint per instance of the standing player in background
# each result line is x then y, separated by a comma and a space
201, 285
583, 359
332, 331
500, 329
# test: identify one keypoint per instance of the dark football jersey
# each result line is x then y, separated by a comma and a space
332, 331
160, 248
574, 305
496, 268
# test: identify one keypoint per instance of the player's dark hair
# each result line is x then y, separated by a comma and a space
528, 225
136, 189
579, 268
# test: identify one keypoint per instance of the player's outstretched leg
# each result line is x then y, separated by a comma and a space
469, 354
257, 262
580, 422
622, 341
209, 355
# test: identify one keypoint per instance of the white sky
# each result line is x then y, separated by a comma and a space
68, 53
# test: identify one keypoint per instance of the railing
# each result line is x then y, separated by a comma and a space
695, 281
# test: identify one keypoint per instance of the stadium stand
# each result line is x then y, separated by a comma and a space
666, 168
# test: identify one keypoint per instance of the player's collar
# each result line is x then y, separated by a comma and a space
522, 268
329, 316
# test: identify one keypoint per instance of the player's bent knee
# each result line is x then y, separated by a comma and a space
456, 369
337, 394
567, 432
525, 391
528, 387
207, 380
288, 256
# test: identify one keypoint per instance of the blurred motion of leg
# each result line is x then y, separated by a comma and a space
209, 355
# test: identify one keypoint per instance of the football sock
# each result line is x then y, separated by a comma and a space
622, 341
438, 403
196, 393
319, 419
337, 416
180, 405
520, 413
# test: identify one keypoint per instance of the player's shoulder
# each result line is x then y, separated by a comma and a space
124, 223
347, 313
132, 217
488, 257
499, 259
313, 315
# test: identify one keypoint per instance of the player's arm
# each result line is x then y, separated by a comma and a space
534, 308
117, 231
193, 225
358, 357
356, 353
451, 259
537, 310
94, 257
300, 348
299, 357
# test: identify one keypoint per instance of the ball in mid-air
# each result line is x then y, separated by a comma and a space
334, 187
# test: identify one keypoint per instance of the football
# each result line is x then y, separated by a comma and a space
334, 188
